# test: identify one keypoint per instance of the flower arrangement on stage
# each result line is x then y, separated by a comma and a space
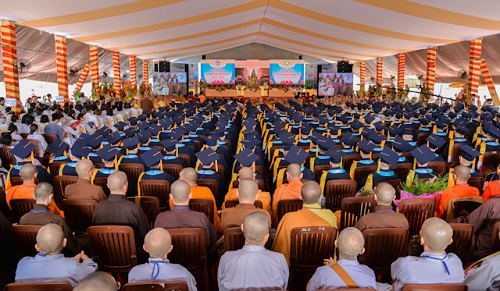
425, 94
218, 82
287, 83
464, 96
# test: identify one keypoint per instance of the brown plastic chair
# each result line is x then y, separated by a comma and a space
113, 247
382, 247
352, 208
186, 158
132, 170
336, 190
156, 188
402, 170
165, 285
348, 159
463, 234
16, 180
318, 171
495, 240
8, 159
25, 239
362, 172
435, 287
103, 182
288, 205
60, 183
464, 208
417, 211
491, 159
233, 203
39, 286
150, 205
233, 239
21, 206
79, 213
440, 168
50, 138
203, 205
421, 137
172, 169
212, 184
476, 182
455, 154
54, 168
190, 251
309, 246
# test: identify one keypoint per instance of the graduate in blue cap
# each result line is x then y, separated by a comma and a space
153, 160
336, 172
132, 146
434, 142
365, 151
402, 147
171, 156
387, 158
208, 159
422, 155
24, 153
108, 157
294, 155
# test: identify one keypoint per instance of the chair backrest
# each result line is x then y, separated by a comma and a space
132, 170
436, 287
318, 171
212, 184
288, 205
103, 182
495, 240
156, 188
60, 183
172, 169
310, 245
348, 159
402, 170
455, 154
336, 190
113, 247
233, 203
7, 157
16, 181
39, 286
150, 205
362, 172
382, 247
440, 168
233, 239
491, 159
25, 239
352, 208
464, 207
421, 137
190, 251
417, 211
186, 158
166, 285
203, 205
79, 213
463, 234
50, 138
54, 168
476, 182
21, 206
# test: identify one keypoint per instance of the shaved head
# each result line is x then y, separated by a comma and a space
255, 228
50, 239
436, 234
116, 182
42, 192
311, 192
158, 243
180, 191
28, 172
83, 167
101, 281
462, 173
245, 173
247, 190
385, 193
293, 172
350, 243
189, 175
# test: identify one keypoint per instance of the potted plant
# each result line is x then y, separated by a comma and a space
423, 189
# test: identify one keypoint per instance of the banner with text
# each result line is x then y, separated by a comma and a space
331, 84
193, 75
217, 72
170, 83
287, 72
311, 76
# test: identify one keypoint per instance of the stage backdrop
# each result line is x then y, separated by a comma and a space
170, 83
311, 76
193, 75
245, 69
331, 84
287, 72
217, 71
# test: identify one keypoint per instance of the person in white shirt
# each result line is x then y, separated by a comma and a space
14, 134
70, 134
36, 135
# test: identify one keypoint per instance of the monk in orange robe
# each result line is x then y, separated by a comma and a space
291, 190
199, 192
461, 189
311, 214
491, 189
246, 173
27, 189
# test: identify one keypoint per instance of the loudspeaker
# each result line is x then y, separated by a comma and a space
186, 69
162, 67
344, 67
203, 57
300, 57
320, 68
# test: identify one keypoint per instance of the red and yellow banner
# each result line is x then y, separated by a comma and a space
62, 67
401, 70
145, 72
431, 68
379, 71
82, 78
9, 58
362, 74
117, 81
476, 46
94, 66
133, 71
489, 81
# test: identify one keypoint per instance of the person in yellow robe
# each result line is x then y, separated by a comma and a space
311, 214
190, 176
290, 190
246, 173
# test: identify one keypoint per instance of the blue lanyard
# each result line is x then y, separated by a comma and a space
38, 211
156, 267
442, 260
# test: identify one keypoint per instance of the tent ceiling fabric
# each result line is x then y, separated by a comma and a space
324, 29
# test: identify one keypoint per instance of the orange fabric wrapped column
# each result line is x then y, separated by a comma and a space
362, 74
431, 68
401, 70
145, 72
379, 71
133, 72
62, 67
9, 58
82, 78
476, 47
94, 66
489, 81
117, 81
